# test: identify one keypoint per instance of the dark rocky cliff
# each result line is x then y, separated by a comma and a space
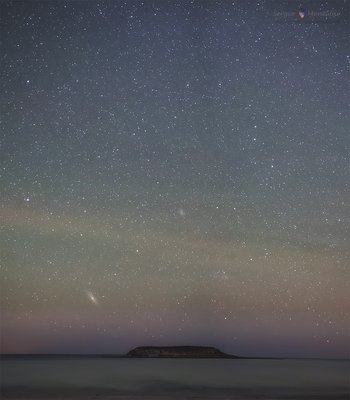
178, 352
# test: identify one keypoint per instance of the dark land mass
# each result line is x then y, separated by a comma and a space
178, 352
157, 352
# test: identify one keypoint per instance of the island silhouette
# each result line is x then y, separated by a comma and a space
178, 352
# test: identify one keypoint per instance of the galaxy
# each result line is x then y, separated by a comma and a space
175, 173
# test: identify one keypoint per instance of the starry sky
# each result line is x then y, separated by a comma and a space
175, 172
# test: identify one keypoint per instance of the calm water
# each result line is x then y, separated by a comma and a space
174, 378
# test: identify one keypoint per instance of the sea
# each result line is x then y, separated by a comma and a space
37, 377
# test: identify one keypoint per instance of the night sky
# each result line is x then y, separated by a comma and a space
175, 172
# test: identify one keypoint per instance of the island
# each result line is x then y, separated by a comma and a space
177, 352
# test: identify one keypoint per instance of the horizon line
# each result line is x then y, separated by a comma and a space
124, 355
